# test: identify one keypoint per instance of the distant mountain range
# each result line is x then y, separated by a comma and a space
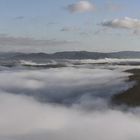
71, 55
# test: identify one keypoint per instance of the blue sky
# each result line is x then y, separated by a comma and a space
53, 25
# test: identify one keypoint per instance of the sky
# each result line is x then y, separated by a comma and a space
69, 25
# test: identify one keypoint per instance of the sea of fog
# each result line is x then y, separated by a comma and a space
66, 100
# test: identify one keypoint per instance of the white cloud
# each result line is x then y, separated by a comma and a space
81, 6
126, 23
70, 29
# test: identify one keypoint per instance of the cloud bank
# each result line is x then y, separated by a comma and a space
88, 117
28, 44
25, 41
32, 120
81, 6
59, 85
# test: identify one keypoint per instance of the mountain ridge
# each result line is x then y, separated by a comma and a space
71, 55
